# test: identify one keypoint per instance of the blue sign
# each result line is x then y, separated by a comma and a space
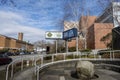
71, 33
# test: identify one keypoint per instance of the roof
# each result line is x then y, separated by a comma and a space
16, 39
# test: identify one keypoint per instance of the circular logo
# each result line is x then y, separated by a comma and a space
49, 34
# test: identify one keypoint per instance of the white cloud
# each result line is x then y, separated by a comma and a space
10, 15
11, 24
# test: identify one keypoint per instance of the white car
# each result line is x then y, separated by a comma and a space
21, 53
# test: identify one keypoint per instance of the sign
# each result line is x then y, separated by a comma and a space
53, 35
71, 33
116, 13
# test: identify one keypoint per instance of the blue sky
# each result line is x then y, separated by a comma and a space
35, 17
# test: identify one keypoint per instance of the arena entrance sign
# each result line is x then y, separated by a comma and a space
71, 33
65, 35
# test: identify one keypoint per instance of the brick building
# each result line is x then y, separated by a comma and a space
15, 44
96, 32
95, 29
84, 23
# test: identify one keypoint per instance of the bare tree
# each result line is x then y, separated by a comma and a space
10, 2
74, 10
107, 40
40, 44
113, 10
84, 28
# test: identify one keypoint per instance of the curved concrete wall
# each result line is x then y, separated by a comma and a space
104, 64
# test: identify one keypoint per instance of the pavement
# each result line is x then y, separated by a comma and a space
3, 67
25, 75
66, 74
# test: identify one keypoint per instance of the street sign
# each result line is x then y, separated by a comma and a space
71, 33
54, 35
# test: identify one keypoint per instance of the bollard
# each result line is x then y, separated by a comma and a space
27, 63
37, 72
52, 58
22, 64
12, 72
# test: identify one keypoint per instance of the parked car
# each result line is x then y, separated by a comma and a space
22, 53
4, 59
10, 54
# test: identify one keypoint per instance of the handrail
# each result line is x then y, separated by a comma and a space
65, 56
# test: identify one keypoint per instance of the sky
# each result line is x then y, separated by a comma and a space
35, 17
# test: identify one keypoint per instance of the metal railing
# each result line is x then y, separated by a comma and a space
38, 61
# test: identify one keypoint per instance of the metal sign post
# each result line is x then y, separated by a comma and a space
77, 45
56, 46
66, 46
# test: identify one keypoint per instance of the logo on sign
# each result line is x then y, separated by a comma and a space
49, 34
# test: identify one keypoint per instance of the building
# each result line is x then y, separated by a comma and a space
105, 24
94, 29
116, 29
15, 44
116, 38
84, 23
69, 25
112, 15
96, 32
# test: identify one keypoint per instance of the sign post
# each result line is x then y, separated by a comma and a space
77, 45
56, 46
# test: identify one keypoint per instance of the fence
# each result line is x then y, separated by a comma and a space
37, 61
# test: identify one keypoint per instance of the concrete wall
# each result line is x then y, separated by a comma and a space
29, 74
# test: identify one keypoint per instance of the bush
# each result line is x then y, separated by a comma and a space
85, 50
4, 50
48, 58
101, 52
72, 49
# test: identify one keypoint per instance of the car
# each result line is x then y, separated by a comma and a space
4, 59
9, 54
22, 53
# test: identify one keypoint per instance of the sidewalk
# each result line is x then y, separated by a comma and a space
3, 67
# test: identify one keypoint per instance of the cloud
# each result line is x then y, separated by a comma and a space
11, 26
10, 15
32, 18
